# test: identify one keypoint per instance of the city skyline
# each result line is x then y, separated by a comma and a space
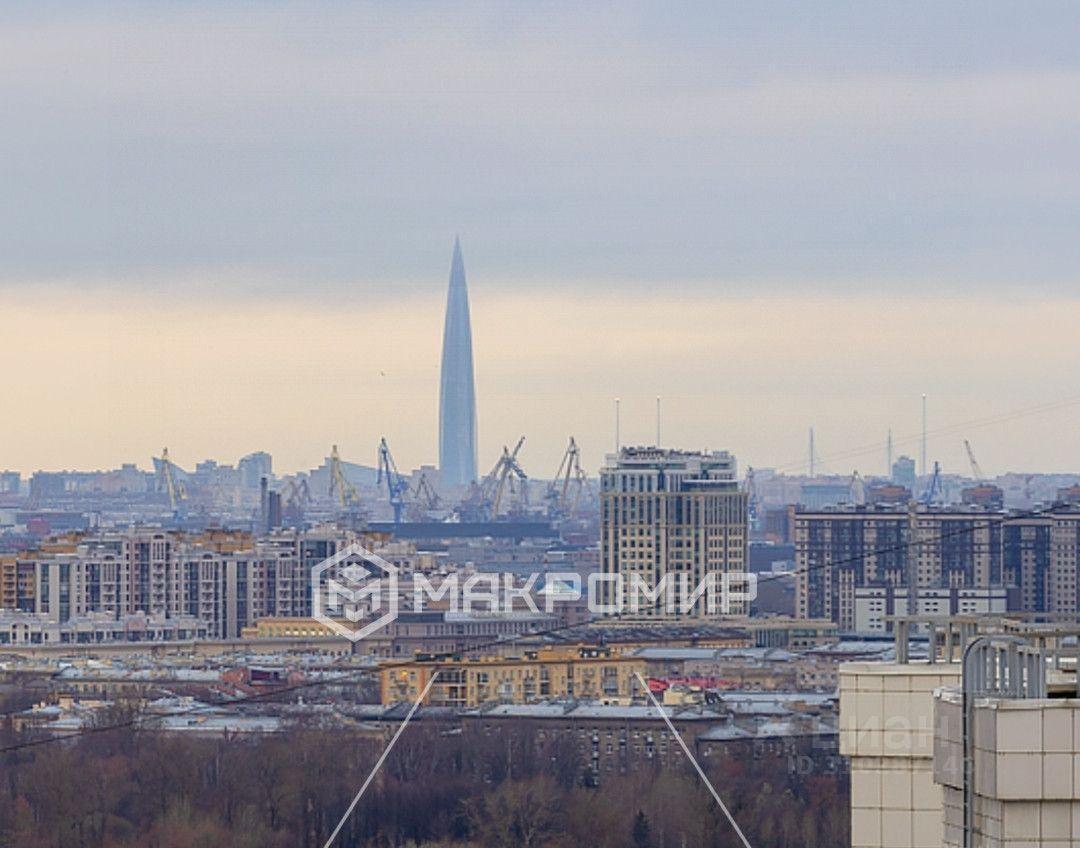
732, 496
139, 381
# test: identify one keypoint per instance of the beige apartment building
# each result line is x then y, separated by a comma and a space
554, 673
675, 514
229, 580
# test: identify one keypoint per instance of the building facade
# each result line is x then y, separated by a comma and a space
227, 580
567, 673
855, 563
840, 551
671, 514
875, 604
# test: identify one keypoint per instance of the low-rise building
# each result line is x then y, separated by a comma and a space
28, 628
549, 673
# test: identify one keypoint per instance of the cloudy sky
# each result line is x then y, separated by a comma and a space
228, 226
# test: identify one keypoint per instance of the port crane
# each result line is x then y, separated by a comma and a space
508, 470
297, 496
570, 473
484, 498
396, 485
168, 482
933, 488
344, 491
505, 470
424, 494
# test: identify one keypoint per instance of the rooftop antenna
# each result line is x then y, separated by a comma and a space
888, 455
922, 458
658, 420
618, 443
811, 451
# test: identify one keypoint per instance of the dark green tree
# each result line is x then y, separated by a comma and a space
642, 833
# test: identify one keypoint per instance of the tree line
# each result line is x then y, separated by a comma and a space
440, 787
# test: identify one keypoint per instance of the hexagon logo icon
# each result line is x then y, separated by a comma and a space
354, 587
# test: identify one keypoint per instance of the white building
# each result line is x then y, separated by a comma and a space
873, 604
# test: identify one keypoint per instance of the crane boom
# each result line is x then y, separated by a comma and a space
933, 488
569, 471
396, 485
975, 469
346, 493
425, 493
506, 465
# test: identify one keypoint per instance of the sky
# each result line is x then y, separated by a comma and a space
227, 227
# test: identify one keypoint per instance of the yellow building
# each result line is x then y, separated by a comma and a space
592, 674
223, 541
283, 627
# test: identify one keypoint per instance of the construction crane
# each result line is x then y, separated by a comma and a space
933, 488
976, 471
345, 492
396, 485
167, 479
569, 474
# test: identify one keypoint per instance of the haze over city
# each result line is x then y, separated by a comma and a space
771, 219
491, 424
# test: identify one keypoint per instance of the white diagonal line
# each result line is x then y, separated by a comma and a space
382, 759
689, 756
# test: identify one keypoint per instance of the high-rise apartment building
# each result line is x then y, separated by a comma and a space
974, 748
674, 514
228, 581
1040, 558
1026, 558
843, 550
843, 553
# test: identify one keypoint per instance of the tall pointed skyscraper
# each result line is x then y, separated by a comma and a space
457, 394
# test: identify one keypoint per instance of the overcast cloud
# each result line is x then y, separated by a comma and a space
337, 148
227, 226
